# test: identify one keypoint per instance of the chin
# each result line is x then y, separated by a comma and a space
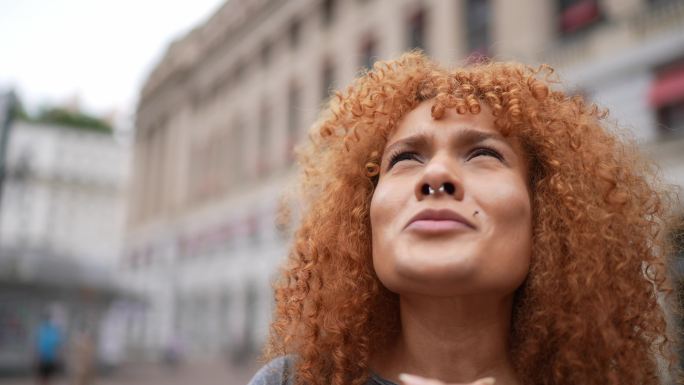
434, 274
448, 275
442, 267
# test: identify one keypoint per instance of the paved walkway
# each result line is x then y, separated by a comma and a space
207, 373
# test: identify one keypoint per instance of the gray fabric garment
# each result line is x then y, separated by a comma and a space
276, 373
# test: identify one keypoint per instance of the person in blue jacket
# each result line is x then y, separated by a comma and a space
48, 348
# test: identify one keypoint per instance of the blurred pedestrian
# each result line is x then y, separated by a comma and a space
173, 352
49, 343
83, 359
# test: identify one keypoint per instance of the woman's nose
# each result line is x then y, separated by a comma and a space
440, 179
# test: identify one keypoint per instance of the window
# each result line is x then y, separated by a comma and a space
293, 112
577, 15
223, 83
477, 15
210, 156
266, 53
239, 71
156, 181
328, 79
328, 10
225, 310
264, 134
250, 321
253, 228
659, 3
368, 48
237, 150
216, 147
671, 119
666, 96
416, 30
294, 33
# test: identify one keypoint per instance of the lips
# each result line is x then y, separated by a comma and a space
431, 220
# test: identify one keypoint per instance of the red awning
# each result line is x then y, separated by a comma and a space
579, 14
668, 87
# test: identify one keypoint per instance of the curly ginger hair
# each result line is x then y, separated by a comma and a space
588, 312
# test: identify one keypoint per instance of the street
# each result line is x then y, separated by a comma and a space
205, 373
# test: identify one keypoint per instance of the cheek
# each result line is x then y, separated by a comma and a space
508, 218
509, 204
377, 216
376, 210
384, 208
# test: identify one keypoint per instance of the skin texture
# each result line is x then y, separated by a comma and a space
589, 307
455, 284
492, 257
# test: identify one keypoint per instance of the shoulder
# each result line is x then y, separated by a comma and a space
280, 371
276, 372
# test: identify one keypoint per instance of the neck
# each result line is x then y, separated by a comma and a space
454, 340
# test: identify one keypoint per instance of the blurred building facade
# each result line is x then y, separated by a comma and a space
65, 191
61, 229
219, 115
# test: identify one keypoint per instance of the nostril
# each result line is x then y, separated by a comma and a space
425, 189
449, 188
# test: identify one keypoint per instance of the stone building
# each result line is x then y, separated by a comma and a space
219, 115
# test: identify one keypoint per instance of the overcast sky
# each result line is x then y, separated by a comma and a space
101, 51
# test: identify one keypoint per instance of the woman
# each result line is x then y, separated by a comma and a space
471, 224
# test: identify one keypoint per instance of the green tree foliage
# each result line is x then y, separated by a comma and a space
18, 111
64, 117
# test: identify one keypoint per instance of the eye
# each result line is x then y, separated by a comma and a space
402, 155
485, 151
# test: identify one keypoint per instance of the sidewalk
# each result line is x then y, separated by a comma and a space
206, 373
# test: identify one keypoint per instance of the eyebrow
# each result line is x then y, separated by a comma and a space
465, 137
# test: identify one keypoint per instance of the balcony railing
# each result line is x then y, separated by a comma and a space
645, 24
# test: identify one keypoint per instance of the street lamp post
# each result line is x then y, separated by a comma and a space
8, 103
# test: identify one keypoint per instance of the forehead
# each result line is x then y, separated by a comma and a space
420, 120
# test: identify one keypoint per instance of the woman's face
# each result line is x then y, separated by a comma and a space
451, 214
